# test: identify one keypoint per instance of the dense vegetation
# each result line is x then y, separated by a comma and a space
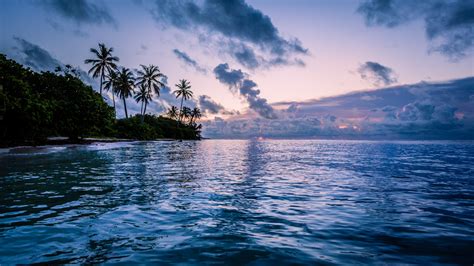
34, 106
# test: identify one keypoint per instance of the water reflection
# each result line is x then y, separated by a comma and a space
240, 201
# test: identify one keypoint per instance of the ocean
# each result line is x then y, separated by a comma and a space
237, 202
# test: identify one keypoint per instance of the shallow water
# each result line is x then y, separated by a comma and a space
239, 201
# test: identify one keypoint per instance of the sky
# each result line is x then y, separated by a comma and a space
343, 68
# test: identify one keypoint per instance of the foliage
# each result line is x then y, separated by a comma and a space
154, 127
125, 86
149, 77
102, 62
37, 105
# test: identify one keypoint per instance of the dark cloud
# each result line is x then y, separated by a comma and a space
249, 58
246, 57
228, 76
236, 21
81, 11
449, 25
34, 56
189, 61
208, 105
39, 60
435, 110
377, 74
246, 88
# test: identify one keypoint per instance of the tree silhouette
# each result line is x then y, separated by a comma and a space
125, 86
143, 96
173, 112
183, 91
195, 114
103, 61
149, 77
186, 112
110, 84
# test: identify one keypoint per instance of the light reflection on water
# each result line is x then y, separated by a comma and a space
239, 201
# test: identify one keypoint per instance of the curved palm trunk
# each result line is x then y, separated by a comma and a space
125, 107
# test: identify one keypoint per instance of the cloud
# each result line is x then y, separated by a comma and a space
434, 110
246, 57
377, 74
449, 25
230, 77
39, 59
34, 56
246, 88
81, 11
208, 105
238, 23
189, 61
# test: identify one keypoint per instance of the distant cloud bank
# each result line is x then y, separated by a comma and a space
435, 110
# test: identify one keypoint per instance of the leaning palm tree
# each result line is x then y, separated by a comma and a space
173, 112
125, 85
144, 96
150, 77
195, 114
183, 91
110, 84
103, 61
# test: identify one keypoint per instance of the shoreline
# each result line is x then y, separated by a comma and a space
65, 142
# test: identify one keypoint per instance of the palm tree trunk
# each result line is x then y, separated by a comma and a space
125, 107
101, 79
113, 98
142, 112
181, 110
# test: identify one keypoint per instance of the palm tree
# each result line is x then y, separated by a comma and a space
195, 114
183, 91
104, 61
144, 96
172, 112
110, 84
186, 112
150, 77
125, 84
